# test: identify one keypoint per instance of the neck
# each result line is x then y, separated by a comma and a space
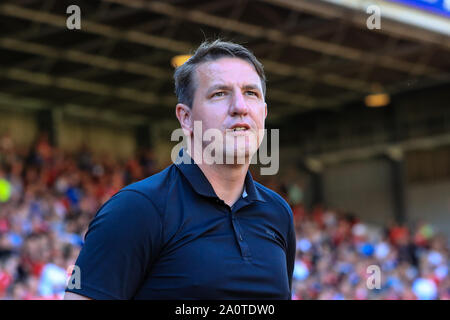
227, 180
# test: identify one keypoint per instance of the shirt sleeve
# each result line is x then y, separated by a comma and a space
121, 243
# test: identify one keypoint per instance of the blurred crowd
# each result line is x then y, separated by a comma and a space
342, 258
49, 196
47, 199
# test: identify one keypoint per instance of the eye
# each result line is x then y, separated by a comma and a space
218, 94
251, 93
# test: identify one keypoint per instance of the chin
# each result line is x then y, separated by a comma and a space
238, 155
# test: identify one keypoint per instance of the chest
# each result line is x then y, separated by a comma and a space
217, 255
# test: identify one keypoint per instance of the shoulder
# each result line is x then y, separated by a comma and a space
132, 213
153, 183
274, 199
140, 200
153, 189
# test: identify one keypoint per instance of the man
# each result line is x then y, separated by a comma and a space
201, 230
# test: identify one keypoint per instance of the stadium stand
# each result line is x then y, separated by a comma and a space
49, 196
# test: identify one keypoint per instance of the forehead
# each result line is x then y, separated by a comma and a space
227, 70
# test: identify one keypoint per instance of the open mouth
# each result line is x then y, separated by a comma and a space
239, 129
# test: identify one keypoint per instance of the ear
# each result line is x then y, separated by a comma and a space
184, 116
265, 110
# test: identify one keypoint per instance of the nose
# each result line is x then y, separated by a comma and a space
238, 105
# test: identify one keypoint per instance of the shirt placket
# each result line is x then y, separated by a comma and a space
239, 236
243, 245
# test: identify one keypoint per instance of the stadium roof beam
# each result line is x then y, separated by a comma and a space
402, 86
397, 29
85, 86
84, 46
300, 41
85, 58
175, 46
89, 112
424, 143
127, 66
128, 93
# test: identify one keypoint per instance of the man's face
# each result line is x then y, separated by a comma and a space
229, 98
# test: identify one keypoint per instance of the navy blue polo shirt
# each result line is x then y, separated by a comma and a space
169, 236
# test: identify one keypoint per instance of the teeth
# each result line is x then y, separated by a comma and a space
239, 129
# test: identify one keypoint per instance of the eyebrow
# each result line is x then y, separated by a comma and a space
251, 87
226, 87
217, 87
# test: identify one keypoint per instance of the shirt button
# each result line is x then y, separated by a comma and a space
240, 237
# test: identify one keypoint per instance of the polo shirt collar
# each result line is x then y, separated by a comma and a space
201, 185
